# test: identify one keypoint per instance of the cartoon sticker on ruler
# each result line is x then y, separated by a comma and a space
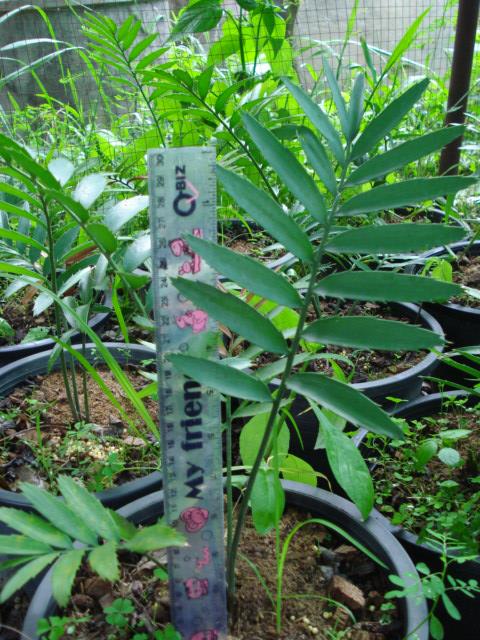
205, 560
197, 319
194, 518
195, 588
210, 634
179, 247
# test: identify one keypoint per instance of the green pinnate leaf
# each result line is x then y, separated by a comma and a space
63, 575
387, 287
157, 536
34, 527
104, 561
221, 377
371, 333
402, 194
264, 210
88, 508
394, 238
25, 574
403, 154
56, 511
387, 119
318, 118
317, 157
298, 181
346, 402
234, 313
245, 271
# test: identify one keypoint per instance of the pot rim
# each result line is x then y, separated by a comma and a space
421, 368
429, 403
23, 350
33, 365
331, 506
456, 248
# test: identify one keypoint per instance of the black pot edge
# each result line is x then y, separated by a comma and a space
10, 353
422, 404
424, 367
299, 495
114, 497
379, 389
456, 247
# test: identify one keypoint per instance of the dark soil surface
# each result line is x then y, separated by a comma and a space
18, 312
345, 586
39, 438
467, 272
368, 365
423, 491
361, 366
256, 244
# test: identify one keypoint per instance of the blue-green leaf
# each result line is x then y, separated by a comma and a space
221, 377
282, 160
234, 313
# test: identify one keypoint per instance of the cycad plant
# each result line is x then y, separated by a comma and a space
48, 538
53, 239
341, 163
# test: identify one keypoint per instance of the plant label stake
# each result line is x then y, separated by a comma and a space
182, 188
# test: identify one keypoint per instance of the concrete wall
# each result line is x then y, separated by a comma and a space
382, 23
29, 24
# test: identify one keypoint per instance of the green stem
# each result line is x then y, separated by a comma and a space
278, 515
56, 308
241, 42
84, 381
73, 377
257, 44
229, 460
140, 89
233, 550
237, 140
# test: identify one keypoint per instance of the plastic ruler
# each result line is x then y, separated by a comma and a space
182, 188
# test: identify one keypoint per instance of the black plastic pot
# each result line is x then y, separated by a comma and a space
371, 533
16, 373
12, 353
406, 385
460, 323
446, 372
467, 627
436, 215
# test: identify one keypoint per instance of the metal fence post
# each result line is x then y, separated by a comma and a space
462, 62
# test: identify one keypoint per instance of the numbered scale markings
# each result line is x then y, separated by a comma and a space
182, 188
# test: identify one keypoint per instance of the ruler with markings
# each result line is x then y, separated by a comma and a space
182, 188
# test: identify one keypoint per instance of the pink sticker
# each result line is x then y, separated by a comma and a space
204, 560
195, 588
211, 634
194, 518
196, 319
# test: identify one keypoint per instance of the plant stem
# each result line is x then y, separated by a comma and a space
85, 388
145, 98
73, 374
229, 459
58, 322
233, 550
241, 41
237, 140
278, 515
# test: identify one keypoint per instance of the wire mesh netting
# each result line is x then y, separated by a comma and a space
60, 58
